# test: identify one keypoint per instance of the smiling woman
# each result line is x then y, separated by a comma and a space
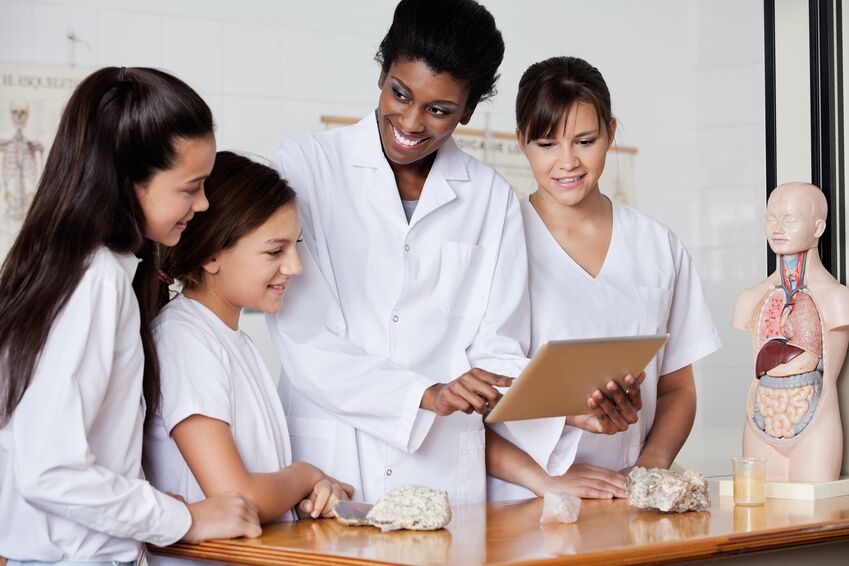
383, 388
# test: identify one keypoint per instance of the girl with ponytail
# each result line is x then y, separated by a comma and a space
78, 290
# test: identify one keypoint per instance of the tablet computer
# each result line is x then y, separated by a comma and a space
564, 373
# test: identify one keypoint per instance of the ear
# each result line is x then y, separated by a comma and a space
611, 132
521, 139
467, 114
213, 266
820, 224
381, 79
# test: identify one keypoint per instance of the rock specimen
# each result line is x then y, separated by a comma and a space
560, 507
656, 488
412, 507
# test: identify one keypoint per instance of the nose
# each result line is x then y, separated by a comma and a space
411, 119
569, 160
201, 202
292, 266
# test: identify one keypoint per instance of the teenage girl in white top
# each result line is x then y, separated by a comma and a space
78, 371
220, 426
600, 268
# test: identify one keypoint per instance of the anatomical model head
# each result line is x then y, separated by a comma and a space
20, 112
795, 218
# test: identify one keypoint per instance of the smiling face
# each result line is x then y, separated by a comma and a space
172, 197
795, 218
569, 161
418, 110
254, 272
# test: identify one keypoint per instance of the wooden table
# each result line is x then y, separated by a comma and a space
607, 532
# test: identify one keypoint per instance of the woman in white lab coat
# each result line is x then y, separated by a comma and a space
600, 268
415, 272
78, 371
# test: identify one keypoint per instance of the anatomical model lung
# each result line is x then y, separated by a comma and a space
799, 321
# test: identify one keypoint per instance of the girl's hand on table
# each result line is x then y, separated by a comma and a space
614, 410
589, 482
324, 496
228, 515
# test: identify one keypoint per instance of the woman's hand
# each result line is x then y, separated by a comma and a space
614, 410
588, 482
324, 495
474, 391
228, 515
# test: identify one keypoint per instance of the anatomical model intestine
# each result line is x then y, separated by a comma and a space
799, 321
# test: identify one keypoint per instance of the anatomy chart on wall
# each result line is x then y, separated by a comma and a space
501, 151
32, 98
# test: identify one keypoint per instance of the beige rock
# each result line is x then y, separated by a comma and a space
413, 507
667, 491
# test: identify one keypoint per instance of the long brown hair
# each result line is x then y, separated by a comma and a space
117, 130
242, 195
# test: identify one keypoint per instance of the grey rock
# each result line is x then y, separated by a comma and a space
656, 488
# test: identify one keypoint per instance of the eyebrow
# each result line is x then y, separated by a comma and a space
408, 89
196, 179
278, 241
587, 133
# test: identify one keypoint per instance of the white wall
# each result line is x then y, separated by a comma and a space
686, 78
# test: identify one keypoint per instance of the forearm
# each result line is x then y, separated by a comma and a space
508, 462
676, 411
275, 493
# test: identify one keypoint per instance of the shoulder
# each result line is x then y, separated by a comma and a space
746, 302
108, 276
314, 147
648, 234
177, 326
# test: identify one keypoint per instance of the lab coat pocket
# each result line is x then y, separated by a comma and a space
471, 467
462, 287
313, 440
654, 309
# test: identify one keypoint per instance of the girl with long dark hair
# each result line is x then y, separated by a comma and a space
78, 290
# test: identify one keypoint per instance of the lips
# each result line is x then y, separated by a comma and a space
404, 141
277, 288
569, 182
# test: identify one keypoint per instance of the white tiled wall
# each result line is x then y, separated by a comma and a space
686, 78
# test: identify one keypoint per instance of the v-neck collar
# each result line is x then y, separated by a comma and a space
611, 247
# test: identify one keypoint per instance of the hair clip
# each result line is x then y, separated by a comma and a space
165, 278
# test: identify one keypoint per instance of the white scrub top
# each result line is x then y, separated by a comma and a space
386, 308
71, 482
209, 369
647, 285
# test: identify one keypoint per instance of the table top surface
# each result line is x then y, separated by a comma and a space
607, 532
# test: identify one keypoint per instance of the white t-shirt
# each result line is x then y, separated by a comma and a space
71, 482
209, 369
647, 285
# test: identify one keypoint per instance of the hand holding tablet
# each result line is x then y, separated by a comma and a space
564, 374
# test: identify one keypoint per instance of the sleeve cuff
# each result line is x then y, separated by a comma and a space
563, 455
696, 352
537, 437
184, 411
175, 523
416, 421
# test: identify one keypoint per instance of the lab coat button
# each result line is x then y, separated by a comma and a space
395, 318
389, 472
406, 248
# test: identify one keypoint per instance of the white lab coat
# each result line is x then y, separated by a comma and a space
647, 285
386, 308
71, 482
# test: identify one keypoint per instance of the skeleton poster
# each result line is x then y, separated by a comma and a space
32, 98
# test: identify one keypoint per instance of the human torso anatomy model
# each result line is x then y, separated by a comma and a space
798, 320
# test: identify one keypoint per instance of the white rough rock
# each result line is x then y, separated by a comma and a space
413, 507
657, 488
560, 507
